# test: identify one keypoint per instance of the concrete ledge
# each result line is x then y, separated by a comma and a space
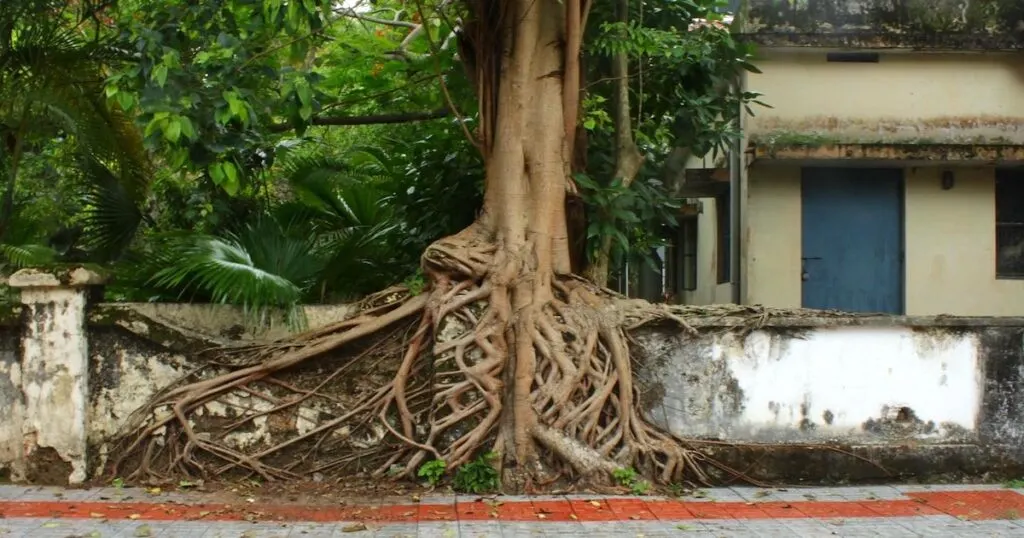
916, 153
729, 315
843, 464
882, 40
75, 277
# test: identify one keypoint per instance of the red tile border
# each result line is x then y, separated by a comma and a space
974, 505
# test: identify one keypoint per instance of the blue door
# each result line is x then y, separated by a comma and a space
853, 239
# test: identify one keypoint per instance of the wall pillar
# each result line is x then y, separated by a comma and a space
54, 374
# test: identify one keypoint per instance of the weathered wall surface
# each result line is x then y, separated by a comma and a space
949, 243
850, 384
955, 385
932, 398
135, 350
904, 98
11, 400
900, 24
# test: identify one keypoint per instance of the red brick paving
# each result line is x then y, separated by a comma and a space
973, 505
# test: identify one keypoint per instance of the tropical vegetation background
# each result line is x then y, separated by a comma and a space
271, 153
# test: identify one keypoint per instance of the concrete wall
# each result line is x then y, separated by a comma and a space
950, 247
772, 237
918, 398
848, 384
851, 381
902, 98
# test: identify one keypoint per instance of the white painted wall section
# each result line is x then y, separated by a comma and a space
855, 384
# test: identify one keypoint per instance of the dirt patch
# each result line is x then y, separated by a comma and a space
46, 467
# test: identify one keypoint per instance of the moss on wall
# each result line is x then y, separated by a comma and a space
943, 24
779, 139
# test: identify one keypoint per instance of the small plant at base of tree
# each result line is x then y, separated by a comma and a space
477, 476
432, 471
676, 489
415, 283
628, 477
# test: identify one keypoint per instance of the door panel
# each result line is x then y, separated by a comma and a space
852, 239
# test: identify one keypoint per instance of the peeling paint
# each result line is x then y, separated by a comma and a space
855, 384
55, 377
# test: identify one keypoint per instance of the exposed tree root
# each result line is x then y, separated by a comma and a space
450, 392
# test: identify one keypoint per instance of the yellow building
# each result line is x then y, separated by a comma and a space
883, 178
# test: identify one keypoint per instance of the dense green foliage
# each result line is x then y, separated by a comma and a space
233, 150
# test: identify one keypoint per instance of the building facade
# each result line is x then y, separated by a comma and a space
885, 177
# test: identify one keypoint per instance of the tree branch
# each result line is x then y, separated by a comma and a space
348, 12
376, 119
628, 158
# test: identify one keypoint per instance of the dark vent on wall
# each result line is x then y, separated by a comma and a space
853, 57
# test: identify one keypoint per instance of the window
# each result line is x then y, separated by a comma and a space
681, 260
1009, 224
723, 246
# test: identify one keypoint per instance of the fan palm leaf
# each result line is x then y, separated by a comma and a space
260, 268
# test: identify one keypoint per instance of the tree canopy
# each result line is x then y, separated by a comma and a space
284, 119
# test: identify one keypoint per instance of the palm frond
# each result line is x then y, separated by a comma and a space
260, 267
112, 216
288, 255
19, 256
221, 269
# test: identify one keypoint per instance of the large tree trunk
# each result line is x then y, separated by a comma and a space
511, 352
523, 219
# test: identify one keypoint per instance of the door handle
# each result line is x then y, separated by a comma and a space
804, 275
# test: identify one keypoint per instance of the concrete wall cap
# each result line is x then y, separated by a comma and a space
55, 278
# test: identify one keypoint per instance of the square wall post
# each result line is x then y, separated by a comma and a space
54, 374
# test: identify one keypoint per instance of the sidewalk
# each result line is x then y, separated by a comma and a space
741, 512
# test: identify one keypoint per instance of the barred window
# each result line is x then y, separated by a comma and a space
1010, 224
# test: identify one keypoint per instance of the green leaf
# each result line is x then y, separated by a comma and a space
186, 127
305, 94
231, 184
19, 256
749, 67
172, 131
160, 75
125, 100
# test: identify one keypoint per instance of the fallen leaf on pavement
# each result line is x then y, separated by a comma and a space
143, 531
355, 527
